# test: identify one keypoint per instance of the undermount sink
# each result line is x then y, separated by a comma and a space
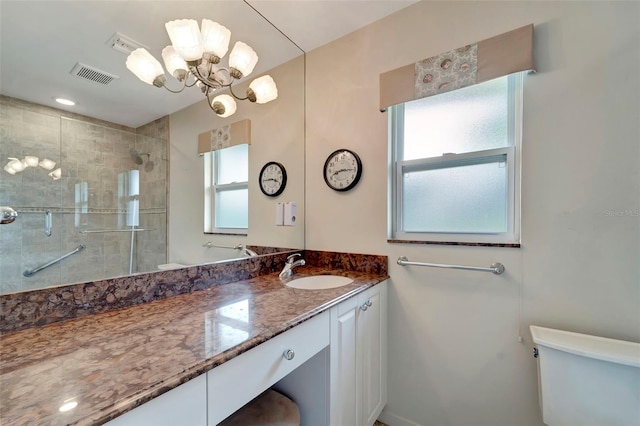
319, 282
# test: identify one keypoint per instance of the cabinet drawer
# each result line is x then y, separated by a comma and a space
238, 381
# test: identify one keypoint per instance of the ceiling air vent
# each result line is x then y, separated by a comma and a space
92, 74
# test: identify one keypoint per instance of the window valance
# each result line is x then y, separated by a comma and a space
233, 134
472, 64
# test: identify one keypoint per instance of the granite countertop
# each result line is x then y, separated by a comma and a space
110, 363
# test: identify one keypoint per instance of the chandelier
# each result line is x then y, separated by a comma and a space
193, 58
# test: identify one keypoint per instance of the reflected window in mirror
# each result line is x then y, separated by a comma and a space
227, 190
455, 165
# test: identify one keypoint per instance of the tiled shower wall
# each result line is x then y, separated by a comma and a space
90, 196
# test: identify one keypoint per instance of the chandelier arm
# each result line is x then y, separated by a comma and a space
204, 80
195, 79
234, 95
184, 84
209, 102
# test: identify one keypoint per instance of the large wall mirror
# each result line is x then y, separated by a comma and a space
126, 193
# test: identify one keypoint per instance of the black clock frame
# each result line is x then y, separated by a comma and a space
358, 172
284, 179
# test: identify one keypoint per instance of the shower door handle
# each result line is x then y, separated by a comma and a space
47, 223
7, 215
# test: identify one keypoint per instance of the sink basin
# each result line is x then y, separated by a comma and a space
319, 282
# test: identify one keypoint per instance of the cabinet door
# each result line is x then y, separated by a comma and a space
372, 359
343, 398
184, 405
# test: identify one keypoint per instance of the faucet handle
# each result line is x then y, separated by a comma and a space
291, 256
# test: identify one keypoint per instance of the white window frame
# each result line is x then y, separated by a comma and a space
212, 189
513, 164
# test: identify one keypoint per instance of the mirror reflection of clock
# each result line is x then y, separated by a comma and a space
272, 179
342, 170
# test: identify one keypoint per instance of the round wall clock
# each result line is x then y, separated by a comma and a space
272, 179
342, 170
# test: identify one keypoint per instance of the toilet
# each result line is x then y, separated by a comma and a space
587, 380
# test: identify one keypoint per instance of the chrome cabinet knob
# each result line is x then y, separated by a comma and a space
289, 354
369, 303
364, 307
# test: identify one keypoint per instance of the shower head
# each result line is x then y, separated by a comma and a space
135, 156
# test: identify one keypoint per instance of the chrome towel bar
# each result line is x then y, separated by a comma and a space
496, 268
106, 231
209, 244
30, 272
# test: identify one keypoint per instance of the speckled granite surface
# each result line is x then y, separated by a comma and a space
19, 311
114, 361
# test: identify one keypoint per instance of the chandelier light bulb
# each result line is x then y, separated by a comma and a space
174, 63
186, 38
243, 58
224, 105
47, 164
16, 164
264, 89
9, 170
144, 65
31, 161
215, 38
56, 174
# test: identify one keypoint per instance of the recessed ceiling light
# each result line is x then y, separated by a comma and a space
65, 101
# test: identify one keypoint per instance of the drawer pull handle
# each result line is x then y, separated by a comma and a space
289, 354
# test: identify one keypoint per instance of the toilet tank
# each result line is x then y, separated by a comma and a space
587, 380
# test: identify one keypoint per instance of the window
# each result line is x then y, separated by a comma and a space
455, 165
226, 206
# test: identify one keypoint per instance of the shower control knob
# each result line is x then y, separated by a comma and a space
289, 354
7, 215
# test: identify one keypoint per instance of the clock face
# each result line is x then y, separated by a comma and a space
272, 179
342, 170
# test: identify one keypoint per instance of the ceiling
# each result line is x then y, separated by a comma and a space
41, 41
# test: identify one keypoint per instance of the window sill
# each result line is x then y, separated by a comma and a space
455, 243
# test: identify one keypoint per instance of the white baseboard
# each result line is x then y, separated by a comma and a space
392, 419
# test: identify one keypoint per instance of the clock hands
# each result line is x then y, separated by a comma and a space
342, 170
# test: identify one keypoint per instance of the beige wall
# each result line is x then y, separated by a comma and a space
277, 135
455, 357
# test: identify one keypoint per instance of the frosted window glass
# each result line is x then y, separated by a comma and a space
232, 207
457, 199
471, 119
233, 164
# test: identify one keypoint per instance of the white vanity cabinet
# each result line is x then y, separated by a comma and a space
358, 358
333, 365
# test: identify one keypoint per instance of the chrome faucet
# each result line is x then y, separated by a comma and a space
287, 271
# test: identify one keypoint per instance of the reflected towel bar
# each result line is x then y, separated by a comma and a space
30, 272
105, 231
210, 245
496, 268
